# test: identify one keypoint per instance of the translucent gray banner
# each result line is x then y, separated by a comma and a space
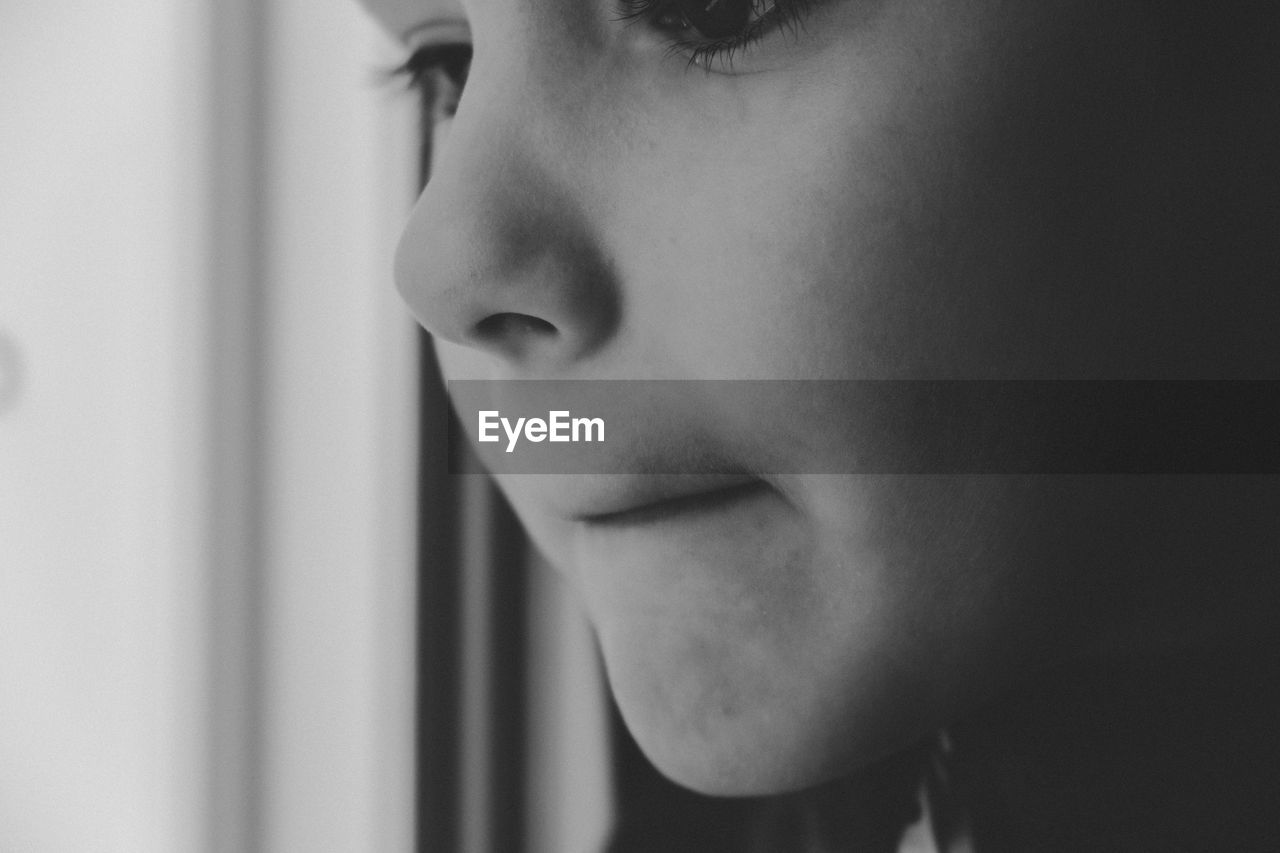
864, 427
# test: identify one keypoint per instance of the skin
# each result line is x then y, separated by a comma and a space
903, 189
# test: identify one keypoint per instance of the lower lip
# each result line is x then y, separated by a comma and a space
687, 507
695, 554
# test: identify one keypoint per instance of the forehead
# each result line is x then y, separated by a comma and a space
401, 18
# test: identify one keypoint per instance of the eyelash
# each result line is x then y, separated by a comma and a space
422, 70
703, 51
422, 67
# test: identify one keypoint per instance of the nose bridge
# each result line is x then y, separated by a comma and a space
497, 254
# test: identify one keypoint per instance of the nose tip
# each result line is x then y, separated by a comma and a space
498, 257
492, 272
533, 310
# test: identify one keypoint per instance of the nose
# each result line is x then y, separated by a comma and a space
498, 254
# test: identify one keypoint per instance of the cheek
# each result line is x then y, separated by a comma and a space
987, 214
818, 233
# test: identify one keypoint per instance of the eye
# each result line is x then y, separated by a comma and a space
713, 19
439, 73
706, 30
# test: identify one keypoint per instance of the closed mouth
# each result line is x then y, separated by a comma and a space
685, 505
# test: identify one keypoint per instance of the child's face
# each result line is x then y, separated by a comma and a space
889, 189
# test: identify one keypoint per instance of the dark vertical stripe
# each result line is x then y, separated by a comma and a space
439, 631
508, 715
439, 652
234, 272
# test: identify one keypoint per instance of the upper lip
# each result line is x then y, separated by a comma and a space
609, 499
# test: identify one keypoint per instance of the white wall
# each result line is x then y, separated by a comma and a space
98, 624
340, 445
205, 583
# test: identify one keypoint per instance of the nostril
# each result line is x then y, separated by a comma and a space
507, 325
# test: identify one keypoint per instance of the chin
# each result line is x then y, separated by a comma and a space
758, 754
737, 718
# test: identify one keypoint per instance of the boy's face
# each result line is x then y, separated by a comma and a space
889, 189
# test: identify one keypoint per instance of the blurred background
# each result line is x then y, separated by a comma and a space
240, 608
